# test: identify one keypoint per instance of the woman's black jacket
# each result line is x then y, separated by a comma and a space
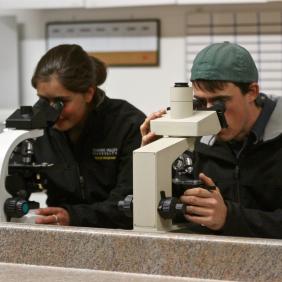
89, 178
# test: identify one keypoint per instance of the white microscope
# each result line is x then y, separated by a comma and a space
19, 174
153, 204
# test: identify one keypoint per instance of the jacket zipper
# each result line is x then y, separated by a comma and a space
237, 171
82, 187
237, 177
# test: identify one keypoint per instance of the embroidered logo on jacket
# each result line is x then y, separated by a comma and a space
104, 153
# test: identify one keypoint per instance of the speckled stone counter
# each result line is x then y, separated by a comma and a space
32, 273
164, 254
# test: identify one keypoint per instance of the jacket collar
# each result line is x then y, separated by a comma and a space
274, 126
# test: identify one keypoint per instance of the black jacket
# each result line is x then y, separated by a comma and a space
90, 177
250, 183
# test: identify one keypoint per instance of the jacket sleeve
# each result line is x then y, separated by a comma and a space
106, 214
252, 222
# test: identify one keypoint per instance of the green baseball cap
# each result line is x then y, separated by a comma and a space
224, 61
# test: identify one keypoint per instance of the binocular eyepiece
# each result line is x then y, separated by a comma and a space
40, 115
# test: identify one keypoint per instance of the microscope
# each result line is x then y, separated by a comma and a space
20, 175
152, 202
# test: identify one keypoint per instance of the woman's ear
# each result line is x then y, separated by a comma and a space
89, 95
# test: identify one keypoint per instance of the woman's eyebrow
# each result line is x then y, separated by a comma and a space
54, 98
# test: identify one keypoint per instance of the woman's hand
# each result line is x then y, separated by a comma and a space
147, 135
52, 215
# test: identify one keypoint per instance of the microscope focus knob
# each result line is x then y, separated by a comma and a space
16, 207
169, 207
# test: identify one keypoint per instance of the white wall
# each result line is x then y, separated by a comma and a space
146, 87
9, 88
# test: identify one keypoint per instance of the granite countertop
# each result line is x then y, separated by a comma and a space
119, 252
31, 273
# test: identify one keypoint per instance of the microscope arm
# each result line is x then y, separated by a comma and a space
152, 174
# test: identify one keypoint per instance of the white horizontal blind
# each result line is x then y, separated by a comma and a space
258, 32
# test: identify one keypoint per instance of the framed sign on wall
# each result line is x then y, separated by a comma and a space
117, 43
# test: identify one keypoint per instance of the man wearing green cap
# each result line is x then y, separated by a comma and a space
244, 161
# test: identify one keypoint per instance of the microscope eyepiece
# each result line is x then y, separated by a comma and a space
41, 115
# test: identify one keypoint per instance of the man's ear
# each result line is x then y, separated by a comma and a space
89, 95
253, 93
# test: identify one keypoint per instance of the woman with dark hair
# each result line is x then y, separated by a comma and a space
90, 145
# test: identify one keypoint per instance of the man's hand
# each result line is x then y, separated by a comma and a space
52, 215
205, 207
147, 135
